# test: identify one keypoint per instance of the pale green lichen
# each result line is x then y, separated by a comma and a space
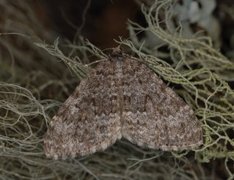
202, 71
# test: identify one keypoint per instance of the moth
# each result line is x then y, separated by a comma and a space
121, 98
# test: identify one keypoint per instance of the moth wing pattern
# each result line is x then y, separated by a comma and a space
121, 97
154, 116
89, 120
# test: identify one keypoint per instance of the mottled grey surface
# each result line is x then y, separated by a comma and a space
121, 97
